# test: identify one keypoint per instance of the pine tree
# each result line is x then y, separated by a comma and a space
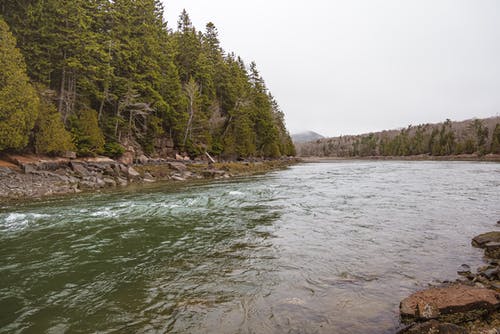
50, 135
18, 99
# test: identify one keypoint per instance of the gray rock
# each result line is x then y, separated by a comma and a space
28, 168
79, 168
109, 182
178, 178
121, 182
143, 159
69, 155
177, 166
132, 173
464, 270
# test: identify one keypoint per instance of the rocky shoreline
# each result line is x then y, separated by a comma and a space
27, 177
470, 304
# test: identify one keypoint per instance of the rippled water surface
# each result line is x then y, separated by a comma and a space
316, 248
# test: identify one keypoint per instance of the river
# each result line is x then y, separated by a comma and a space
316, 248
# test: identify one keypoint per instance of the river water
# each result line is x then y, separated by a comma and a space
316, 248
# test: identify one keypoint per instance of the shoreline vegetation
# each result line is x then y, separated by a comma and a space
422, 157
29, 177
470, 304
455, 140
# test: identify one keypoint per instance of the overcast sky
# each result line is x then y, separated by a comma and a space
354, 66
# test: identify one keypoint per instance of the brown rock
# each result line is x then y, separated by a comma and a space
427, 310
482, 239
127, 158
492, 249
453, 303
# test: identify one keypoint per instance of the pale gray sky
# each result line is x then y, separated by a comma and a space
354, 66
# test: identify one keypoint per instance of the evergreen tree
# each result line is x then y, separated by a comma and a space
50, 135
18, 99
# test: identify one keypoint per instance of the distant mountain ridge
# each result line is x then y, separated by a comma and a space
305, 136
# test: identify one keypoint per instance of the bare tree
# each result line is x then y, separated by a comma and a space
192, 90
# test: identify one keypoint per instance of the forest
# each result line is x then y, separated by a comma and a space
102, 77
476, 136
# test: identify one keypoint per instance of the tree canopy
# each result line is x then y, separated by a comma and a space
116, 68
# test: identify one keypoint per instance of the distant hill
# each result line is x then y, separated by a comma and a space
473, 136
304, 137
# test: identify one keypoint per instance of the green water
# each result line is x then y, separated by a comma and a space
316, 248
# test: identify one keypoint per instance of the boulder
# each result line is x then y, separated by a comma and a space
143, 159
464, 270
109, 182
28, 168
69, 155
433, 326
79, 168
492, 249
132, 173
177, 166
121, 182
453, 303
127, 158
481, 240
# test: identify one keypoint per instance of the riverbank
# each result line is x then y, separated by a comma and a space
423, 157
27, 177
470, 304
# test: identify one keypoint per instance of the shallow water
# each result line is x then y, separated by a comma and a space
317, 248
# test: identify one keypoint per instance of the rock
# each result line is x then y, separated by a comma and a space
492, 249
109, 182
69, 155
121, 182
28, 168
491, 273
143, 159
481, 240
132, 173
434, 327
177, 166
79, 168
123, 169
454, 303
148, 177
179, 157
427, 310
177, 178
464, 270
127, 158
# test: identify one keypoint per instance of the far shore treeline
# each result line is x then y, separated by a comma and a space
103, 77
476, 136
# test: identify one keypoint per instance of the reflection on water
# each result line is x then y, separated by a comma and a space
317, 248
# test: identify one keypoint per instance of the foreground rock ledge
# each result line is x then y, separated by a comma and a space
454, 303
